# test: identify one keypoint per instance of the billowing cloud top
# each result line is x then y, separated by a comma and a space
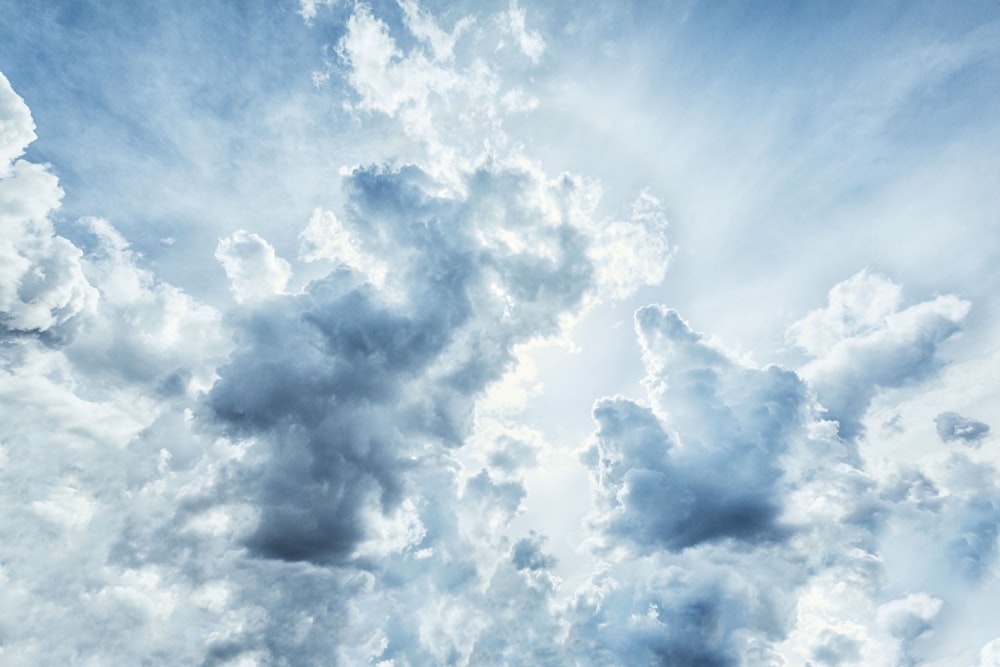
346, 429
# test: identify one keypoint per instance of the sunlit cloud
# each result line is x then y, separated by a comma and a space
520, 333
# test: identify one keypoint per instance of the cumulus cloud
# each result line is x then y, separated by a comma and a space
143, 330
107, 357
17, 129
452, 110
253, 268
283, 478
989, 655
726, 464
862, 342
42, 286
350, 388
336, 474
386, 79
717, 477
908, 619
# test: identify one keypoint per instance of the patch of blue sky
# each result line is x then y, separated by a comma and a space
776, 135
177, 121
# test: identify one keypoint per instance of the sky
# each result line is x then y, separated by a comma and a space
499, 333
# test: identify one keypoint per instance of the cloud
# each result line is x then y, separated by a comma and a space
952, 426
325, 238
42, 286
527, 554
664, 609
726, 463
857, 306
349, 387
386, 79
863, 342
634, 252
989, 655
425, 28
448, 89
718, 477
908, 619
309, 8
252, 267
837, 649
338, 471
143, 330
529, 42
17, 129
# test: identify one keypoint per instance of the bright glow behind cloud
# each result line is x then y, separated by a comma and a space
343, 463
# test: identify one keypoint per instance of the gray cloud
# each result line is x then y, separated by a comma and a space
349, 386
290, 483
952, 426
837, 649
528, 554
718, 477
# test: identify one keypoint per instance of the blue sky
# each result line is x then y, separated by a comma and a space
405, 333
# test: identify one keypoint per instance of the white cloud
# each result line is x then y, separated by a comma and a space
529, 42
909, 617
857, 306
309, 8
385, 78
325, 238
635, 252
254, 270
17, 129
424, 27
864, 342
143, 330
989, 655
42, 286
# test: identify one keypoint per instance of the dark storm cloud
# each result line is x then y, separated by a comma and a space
952, 426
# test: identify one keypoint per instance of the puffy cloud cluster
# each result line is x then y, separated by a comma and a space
252, 266
42, 286
98, 361
863, 342
17, 129
781, 544
717, 475
290, 483
351, 387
